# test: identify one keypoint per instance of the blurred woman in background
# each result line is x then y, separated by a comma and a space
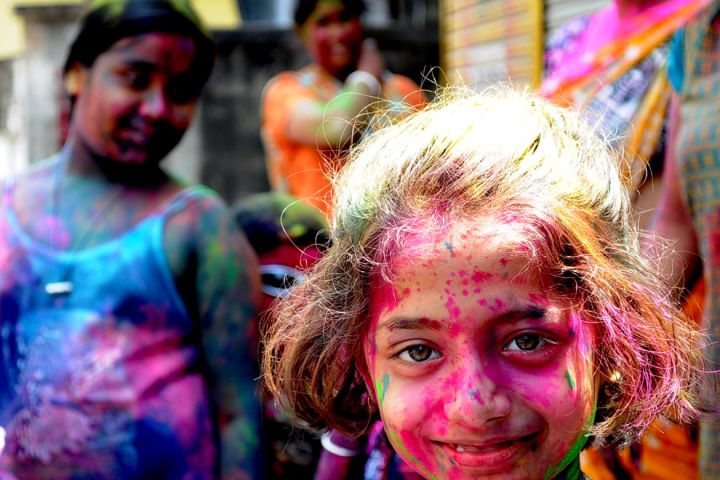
126, 295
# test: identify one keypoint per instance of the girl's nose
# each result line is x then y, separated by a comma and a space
155, 104
338, 29
478, 399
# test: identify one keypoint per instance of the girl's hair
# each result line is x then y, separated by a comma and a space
513, 157
305, 8
107, 21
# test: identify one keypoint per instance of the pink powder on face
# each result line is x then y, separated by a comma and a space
417, 456
475, 378
539, 299
481, 277
452, 308
475, 395
498, 306
384, 297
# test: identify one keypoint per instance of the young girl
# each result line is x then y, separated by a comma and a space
127, 296
485, 295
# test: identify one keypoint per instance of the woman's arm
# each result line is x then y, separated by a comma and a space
672, 221
331, 124
226, 282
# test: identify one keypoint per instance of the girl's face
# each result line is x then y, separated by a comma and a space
333, 37
478, 372
136, 101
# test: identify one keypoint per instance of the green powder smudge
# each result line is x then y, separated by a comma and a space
382, 388
571, 460
570, 380
403, 451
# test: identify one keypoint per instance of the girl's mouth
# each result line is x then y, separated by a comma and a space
489, 456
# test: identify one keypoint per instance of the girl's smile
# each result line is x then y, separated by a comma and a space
478, 370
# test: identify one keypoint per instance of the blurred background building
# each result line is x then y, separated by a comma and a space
486, 41
477, 42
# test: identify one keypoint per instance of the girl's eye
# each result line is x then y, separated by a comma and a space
346, 16
528, 342
418, 354
183, 91
137, 80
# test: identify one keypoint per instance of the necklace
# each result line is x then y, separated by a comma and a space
64, 286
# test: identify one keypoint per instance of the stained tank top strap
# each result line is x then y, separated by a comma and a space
185, 197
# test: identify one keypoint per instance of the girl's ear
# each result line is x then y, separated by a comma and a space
74, 79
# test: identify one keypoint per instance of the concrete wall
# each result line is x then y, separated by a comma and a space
48, 32
13, 151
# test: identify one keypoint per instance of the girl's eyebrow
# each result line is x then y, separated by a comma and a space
424, 323
141, 65
411, 323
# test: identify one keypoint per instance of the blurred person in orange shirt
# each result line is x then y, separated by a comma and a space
310, 116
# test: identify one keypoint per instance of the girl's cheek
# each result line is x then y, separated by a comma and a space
407, 443
381, 387
370, 372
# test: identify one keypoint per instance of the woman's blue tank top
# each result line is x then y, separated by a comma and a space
103, 382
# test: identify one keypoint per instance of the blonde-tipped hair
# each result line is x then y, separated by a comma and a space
514, 156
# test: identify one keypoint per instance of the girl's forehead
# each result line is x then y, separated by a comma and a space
474, 238
166, 50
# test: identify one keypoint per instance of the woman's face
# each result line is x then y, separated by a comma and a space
136, 101
477, 370
333, 37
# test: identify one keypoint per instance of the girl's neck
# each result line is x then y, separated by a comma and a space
81, 163
340, 76
77, 160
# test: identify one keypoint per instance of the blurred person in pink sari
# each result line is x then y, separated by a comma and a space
612, 65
